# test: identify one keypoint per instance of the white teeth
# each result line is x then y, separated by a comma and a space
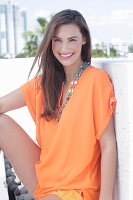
66, 55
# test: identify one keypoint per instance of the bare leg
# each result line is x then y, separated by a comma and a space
22, 152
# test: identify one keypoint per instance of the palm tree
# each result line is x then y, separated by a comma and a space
130, 48
43, 24
33, 39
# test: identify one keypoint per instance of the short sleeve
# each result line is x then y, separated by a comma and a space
29, 92
104, 102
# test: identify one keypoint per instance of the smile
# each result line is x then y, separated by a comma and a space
66, 55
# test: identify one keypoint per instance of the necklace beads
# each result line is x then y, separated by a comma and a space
74, 82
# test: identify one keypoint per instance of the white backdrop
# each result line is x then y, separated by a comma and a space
13, 73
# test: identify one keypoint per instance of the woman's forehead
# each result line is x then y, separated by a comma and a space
67, 29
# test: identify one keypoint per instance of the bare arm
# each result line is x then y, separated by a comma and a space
108, 161
12, 101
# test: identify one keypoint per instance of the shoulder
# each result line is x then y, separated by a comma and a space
99, 75
35, 82
98, 78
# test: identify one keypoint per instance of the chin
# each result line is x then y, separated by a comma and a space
67, 63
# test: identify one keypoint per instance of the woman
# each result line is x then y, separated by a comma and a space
72, 104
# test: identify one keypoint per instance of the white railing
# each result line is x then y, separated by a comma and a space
14, 72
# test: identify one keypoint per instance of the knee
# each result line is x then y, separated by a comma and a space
5, 120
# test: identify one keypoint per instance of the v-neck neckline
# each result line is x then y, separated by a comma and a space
60, 105
69, 87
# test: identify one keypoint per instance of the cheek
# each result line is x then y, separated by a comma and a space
55, 47
77, 46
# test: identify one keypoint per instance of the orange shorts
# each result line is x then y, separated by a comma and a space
67, 195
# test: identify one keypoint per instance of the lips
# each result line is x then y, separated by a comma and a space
65, 56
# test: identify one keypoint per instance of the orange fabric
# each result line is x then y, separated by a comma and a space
70, 150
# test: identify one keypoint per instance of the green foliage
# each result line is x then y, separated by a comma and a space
113, 52
31, 45
3, 57
22, 55
43, 24
98, 53
130, 48
33, 39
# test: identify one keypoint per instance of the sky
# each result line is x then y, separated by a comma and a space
107, 20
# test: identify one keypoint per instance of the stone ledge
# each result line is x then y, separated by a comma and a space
14, 184
3, 186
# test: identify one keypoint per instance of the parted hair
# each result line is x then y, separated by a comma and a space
51, 70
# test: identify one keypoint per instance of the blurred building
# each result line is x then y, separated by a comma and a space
13, 23
115, 43
120, 46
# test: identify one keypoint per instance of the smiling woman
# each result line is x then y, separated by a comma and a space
73, 112
67, 46
58, 52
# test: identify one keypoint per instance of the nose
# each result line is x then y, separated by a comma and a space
64, 47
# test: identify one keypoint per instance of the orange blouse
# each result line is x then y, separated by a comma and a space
70, 151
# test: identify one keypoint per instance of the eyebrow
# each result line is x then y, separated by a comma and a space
68, 38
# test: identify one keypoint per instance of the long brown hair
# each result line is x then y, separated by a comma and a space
52, 71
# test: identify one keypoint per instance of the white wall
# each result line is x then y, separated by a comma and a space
121, 71
14, 72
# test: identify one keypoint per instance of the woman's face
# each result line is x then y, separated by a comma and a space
67, 44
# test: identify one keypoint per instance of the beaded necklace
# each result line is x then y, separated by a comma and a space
74, 82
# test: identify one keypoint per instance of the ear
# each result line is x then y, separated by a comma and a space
84, 41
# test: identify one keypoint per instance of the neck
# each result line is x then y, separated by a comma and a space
71, 71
